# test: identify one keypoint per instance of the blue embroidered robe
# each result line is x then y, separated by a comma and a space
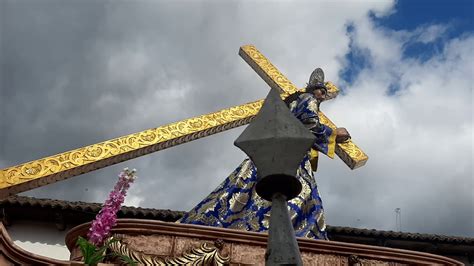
235, 204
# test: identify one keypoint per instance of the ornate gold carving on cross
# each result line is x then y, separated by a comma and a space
352, 155
54, 168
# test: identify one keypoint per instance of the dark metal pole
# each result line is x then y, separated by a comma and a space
282, 248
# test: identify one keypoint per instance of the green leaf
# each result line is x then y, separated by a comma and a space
92, 255
125, 259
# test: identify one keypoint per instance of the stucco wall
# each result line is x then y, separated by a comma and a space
40, 238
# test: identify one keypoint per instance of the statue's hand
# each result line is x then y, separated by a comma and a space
342, 135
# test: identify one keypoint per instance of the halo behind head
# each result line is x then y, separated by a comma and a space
316, 81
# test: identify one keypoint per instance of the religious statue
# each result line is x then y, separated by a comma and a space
235, 203
54, 168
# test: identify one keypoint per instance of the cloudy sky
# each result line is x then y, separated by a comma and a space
75, 73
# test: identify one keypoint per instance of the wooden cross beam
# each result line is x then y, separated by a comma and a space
30, 175
348, 152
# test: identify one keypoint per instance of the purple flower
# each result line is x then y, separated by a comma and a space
107, 217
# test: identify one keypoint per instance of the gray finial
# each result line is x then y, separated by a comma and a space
276, 141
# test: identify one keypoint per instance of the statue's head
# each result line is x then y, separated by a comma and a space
316, 84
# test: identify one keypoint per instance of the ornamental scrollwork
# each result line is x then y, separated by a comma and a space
51, 169
205, 254
272, 76
54, 168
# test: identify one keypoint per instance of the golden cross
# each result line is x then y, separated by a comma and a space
61, 166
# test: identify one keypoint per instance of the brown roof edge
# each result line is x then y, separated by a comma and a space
125, 211
350, 231
169, 215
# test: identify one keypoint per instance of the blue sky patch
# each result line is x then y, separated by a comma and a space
410, 14
357, 59
454, 18
456, 15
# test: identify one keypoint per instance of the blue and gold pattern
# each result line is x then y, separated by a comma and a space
235, 204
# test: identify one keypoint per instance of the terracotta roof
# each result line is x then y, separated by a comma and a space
125, 212
169, 215
399, 235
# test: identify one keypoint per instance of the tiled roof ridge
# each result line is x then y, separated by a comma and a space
399, 235
151, 213
90, 207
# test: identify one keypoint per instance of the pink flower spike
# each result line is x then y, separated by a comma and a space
107, 216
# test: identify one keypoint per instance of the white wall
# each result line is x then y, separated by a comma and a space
40, 238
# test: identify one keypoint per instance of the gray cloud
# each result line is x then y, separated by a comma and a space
79, 73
